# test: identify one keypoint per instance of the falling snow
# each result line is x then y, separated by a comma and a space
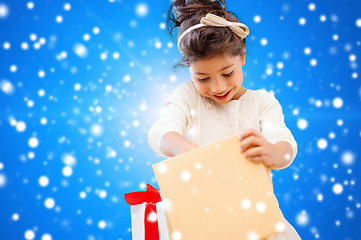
82, 82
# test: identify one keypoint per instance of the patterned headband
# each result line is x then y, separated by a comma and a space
217, 21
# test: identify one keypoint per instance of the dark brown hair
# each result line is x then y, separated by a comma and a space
207, 41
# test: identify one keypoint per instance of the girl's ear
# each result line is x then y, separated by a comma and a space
243, 58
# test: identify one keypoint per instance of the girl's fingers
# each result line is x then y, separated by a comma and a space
257, 159
255, 152
250, 141
247, 133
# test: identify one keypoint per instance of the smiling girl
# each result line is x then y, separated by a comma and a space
214, 105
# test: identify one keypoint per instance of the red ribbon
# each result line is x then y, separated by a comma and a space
150, 197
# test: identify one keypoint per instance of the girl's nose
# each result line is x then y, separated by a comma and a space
218, 86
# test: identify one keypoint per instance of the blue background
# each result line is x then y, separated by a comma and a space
102, 123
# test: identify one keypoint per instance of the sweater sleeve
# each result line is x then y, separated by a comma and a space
273, 127
175, 116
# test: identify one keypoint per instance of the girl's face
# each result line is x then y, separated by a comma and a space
219, 78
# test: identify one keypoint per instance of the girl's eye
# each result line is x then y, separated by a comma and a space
203, 79
228, 74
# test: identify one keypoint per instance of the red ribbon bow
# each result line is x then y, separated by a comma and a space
151, 196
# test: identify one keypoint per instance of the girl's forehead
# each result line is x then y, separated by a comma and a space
217, 60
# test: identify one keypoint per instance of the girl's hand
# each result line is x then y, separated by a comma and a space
173, 144
256, 148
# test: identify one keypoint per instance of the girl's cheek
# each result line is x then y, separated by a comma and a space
202, 89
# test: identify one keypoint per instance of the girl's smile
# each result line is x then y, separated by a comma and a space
222, 96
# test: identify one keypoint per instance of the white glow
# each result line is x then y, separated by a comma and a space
348, 158
80, 50
313, 62
20, 126
46, 236
162, 168
302, 218
103, 56
82, 194
43, 121
29, 235
49, 203
67, 171
30, 103
152, 217
15, 217
96, 129
142, 9
322, 143
2, 180
43, 181
96, 30
198, 166
7, 87
280, 227
42, 41
177, 235
6, 45
102, 224
67, 6
116, 55
173, 78
302, 124
31, 155
33, 37
30, 5
126, 78
307, 51
13, 68
41, 74
302, 21
77, 86
185, 176
108, 88
358, 22
257, 19
320, 197
41, 93
127, 143
264, 42
252, 235
4, 10
158, 44
24, 46
59, 19
33, 142
68, 159
86, 37
261, 207
337, 188
280, 65
102, 194
312, 7
337, 102
246, 203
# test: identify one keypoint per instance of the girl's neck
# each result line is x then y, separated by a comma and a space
239, 93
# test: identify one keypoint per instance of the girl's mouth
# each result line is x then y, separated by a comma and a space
221, 97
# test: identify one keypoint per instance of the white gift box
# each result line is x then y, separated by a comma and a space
138, 215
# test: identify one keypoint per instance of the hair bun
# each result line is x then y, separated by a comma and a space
182, 10
186, 7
